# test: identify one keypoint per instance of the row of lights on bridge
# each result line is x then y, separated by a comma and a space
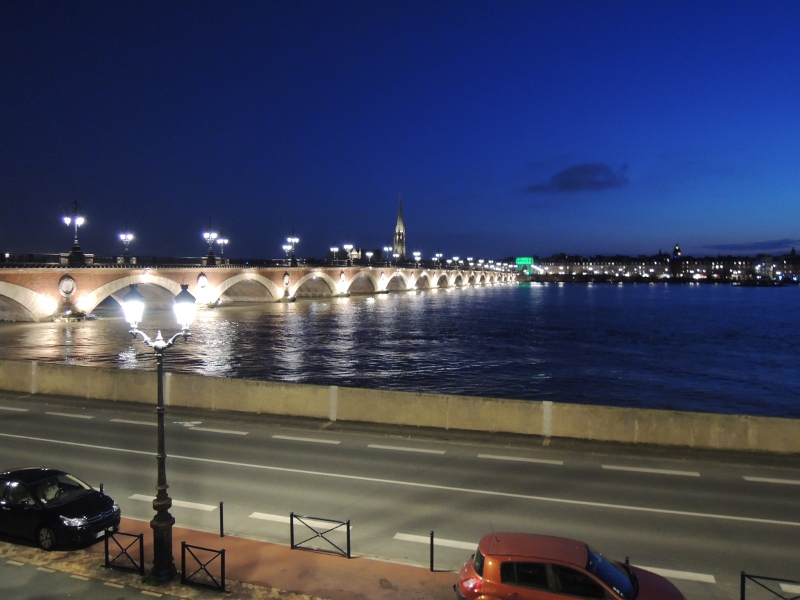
76, 219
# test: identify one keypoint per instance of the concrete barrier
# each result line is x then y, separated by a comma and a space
439, 411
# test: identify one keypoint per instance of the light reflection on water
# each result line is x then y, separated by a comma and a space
710, 348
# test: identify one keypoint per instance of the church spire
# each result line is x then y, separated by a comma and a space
400, 231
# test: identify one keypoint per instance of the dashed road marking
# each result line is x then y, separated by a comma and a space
14, 409
421, 539
542, 461
79, 577
292, 438
69, 415
179, 503
652, 471
686, 575
773, 480
211, 430
114, 585
790, 588
129, 422
284, 519
405, 449
45, 570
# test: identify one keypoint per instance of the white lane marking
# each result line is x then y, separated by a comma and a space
149, 593
429, 486
284, 519
79, 577
304, 439
70, 415
45, 570
542, 461
654, 471
16, 563
228, 431
790, 588
421, 539
134, 422
114, 585
14, 409
180, 503
772, 480
687, 575
405, 449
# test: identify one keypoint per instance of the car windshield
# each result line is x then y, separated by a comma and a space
60, 488
613, 574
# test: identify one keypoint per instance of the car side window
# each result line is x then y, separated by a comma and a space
575, 583
17, 494
527, 574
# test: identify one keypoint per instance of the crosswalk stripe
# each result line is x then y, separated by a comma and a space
284, 519
421, 539
179, 503
687, 575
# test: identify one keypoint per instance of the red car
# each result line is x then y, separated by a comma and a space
543, 567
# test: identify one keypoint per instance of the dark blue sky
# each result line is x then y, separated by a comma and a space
509, 128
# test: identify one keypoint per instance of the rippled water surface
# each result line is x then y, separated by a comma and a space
712, 348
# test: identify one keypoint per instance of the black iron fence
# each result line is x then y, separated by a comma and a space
774, 587
125, 545
319, 529
200, 559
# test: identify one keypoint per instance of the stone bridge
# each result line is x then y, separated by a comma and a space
44, 293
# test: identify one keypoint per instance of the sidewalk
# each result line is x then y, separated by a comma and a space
253, 570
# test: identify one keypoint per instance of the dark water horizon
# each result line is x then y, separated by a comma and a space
702, 348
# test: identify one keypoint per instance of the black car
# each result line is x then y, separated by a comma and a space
53, 508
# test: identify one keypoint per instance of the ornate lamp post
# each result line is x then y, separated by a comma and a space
417, 257
292, 243
334, 254
161, 524
222, 242
348, 248
126, 238
286, 249
369, 257
210, 236
388, 251
76, 256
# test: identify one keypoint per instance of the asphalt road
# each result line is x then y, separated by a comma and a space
700, 518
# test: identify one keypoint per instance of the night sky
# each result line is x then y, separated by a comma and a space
509, 128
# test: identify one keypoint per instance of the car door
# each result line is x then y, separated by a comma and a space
572, 583
524, 580
18, 510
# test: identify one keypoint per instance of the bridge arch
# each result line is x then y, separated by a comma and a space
215, 294
364, 282
316, 284
28, 304
90, 301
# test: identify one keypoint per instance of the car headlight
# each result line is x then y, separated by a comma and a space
76, 522
115, 508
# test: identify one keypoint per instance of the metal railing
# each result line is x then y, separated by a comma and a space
123, 560
767, 583
320, 530
202, 576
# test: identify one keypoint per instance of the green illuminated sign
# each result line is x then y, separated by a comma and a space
524, 260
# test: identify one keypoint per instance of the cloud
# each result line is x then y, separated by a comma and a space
587, 177
779, 246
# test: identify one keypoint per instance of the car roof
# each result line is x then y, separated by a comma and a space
30, 475
534, 546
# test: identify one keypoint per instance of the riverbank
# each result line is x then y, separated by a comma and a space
540, 420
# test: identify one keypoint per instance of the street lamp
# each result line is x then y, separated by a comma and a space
348, 248
286, 249
161, 524
334, 252
369, 256
222, 242
76, 256
292, 243
210, 236
388, 251
126, 238
417, 256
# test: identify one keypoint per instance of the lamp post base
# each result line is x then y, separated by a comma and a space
163, 563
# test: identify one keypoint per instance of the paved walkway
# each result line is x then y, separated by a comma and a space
253, 569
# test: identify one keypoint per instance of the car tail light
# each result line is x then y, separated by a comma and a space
471, 587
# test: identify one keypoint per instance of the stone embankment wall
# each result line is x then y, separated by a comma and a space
546, 419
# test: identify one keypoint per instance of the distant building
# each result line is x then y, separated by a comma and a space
400, 232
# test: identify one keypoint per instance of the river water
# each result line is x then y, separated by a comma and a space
709, 348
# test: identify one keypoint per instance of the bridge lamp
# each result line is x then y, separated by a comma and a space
369, 256
161, 524
396, 257
334, 252
417, 256
348, 248
388, 251
222, 242
76, 219
126, 238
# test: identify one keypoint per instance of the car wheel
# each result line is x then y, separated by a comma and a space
46, 538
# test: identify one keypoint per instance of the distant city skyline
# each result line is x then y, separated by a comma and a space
510, 129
